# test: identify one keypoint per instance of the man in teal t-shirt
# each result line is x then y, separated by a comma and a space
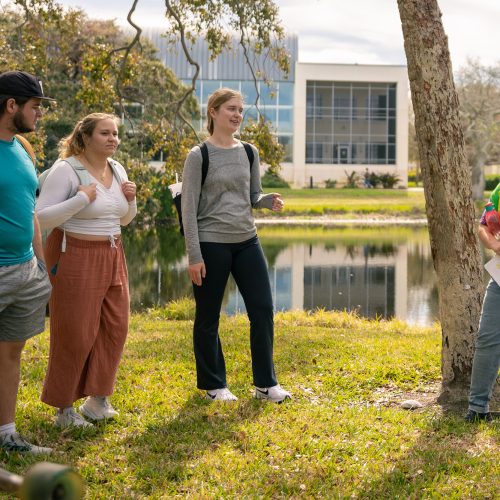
24, 284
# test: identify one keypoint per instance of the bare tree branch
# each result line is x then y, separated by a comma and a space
191, 61
127, 48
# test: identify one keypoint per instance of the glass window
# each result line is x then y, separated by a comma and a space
285, 95
309, 152
285, 120
392, 96
349, 123
268, 95
230, 84
208, 87
250, 114
269, 115
323, 126
287, 142
391, 154
249, 92
323, 97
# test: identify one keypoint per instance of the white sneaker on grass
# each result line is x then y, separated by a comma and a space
69, 418
274, 394
223, 394
98, 408
16, 443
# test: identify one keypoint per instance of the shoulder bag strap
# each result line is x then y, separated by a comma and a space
27, 147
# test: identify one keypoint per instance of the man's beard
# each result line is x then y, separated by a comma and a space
20, 124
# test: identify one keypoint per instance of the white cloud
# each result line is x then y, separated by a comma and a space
362, 31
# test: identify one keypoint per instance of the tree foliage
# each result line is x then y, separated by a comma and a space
259, 31
260, 134
90, 65
478, 89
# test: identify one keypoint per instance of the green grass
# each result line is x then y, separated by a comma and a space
352, 201
343, 435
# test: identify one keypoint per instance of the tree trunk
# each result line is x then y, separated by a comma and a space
447, 185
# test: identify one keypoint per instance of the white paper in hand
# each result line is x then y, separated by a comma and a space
493, 267
175, 189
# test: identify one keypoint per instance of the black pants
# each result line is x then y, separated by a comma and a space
245, 261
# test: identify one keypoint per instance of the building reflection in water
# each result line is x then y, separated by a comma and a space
371, 279
386, 272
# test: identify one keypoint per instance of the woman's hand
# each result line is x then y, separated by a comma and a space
197, 272
90, 191
495, 246
129, 189
278, 203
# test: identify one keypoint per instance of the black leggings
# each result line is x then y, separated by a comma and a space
245, 261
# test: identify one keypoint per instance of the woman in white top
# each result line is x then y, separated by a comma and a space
86, 197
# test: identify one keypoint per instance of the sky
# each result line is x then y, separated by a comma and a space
355, 31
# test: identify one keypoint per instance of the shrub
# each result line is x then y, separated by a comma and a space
154, 202
352, 179
330, 183
272, 180
374, 179
414, 175
388, 180
491, 182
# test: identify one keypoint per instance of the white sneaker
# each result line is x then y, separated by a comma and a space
223, 394
69, 418
16, 443
275, 394
98, 408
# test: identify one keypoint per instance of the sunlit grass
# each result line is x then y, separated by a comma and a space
344, 201
350, 234
343, 435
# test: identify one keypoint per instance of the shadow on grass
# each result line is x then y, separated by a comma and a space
446, 449
67, 444
164, 453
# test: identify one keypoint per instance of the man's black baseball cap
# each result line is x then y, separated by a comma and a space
21, 84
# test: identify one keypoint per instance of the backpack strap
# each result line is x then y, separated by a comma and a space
116, 171
249, 152
204, 162
80, 170
27, 147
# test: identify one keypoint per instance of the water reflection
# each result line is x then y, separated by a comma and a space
382, 272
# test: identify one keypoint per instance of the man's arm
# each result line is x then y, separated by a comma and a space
37, 240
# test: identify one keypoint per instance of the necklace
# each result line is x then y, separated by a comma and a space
102, 177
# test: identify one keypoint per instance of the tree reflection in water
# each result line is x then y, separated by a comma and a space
381, 272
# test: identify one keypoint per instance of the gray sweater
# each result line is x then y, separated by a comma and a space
221, 211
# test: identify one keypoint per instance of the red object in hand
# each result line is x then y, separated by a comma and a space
492, 220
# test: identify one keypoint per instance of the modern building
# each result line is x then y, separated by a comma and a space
349, 118
332, 119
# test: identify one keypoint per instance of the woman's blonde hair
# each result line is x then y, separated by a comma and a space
216, 100
73, 144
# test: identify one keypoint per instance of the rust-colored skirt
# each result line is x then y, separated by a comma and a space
89, 313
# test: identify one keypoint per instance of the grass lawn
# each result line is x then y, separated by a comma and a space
351, 201
343, 435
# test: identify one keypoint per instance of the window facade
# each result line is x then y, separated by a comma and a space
275, 104
351, 123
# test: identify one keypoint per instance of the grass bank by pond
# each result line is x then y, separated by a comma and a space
313, 202
343, 435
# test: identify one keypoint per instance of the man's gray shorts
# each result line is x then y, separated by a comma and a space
24, 292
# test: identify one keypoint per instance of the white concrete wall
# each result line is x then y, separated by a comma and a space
299, 173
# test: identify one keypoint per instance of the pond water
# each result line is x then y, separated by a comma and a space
381, 272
